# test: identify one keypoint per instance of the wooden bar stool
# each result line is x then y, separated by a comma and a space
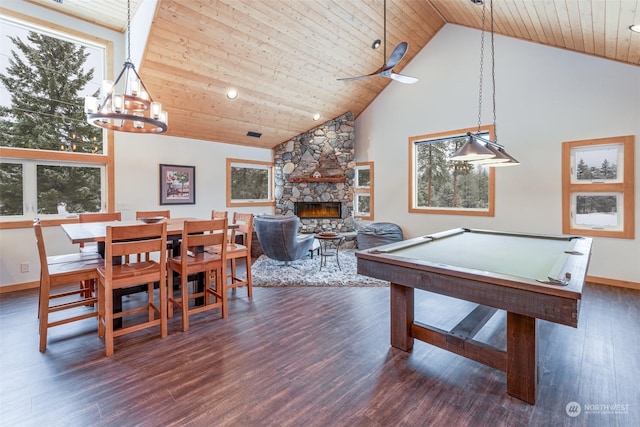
97, 217
56, 271
150, 214
93, 248
125, 241
196, 235
219, 214
236, 251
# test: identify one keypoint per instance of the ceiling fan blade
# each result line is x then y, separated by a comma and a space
344, 79
397, 55
387, 69
402, 78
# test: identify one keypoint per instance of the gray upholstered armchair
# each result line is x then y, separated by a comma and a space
279, 239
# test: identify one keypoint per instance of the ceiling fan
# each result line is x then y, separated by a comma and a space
396, 56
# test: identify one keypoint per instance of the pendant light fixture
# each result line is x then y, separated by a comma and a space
478, 150
126, 105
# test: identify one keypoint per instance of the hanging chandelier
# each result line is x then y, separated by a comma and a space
478, 150
126, 105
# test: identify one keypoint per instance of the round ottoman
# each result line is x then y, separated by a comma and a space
378, 234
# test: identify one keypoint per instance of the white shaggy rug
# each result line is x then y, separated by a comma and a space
306, 272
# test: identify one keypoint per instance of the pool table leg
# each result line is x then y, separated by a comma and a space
401, 317
522, 357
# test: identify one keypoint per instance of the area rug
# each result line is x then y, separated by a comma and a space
306, 272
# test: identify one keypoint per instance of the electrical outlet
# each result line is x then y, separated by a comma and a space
24, 267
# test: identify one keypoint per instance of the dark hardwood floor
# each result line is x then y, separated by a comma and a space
314, 357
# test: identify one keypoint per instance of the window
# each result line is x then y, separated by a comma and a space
52, 162
249, 183
597, 187
11, 189
440, 186
363, 191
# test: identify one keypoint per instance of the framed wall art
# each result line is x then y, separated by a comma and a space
177, 185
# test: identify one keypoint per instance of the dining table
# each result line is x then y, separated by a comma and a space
96, 232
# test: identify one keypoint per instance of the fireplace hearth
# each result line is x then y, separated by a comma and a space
317, 210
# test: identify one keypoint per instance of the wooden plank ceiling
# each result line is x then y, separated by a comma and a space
284, 56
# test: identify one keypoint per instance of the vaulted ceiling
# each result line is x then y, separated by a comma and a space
284, 56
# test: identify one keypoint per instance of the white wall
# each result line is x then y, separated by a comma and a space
544, 96
137, 160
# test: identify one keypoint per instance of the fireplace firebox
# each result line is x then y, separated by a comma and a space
318, 209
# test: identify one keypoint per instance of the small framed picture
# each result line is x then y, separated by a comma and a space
177, 185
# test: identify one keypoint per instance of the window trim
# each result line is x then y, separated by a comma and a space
363, 190
262, 202
450, 211
106, 159
624, 187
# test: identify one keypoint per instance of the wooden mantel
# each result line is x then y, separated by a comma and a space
319, 179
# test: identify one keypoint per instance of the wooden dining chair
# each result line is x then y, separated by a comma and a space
219, 214
236, 251
100, 216
149, 214
59, 276
97, 217
93, 248
223, 214
124, 241
196, 235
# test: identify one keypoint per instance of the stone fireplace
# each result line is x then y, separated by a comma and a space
316, 169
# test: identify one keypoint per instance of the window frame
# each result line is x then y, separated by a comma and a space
622, 187
412, 208
63, 158
250, 164
363, 191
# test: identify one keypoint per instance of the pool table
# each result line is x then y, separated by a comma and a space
530, 276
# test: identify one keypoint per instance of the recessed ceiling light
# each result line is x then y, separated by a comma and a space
232, 94
635, 28
376, 44
316, 117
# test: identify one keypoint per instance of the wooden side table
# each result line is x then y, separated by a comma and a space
329, 247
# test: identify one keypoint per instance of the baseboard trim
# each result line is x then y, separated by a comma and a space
592, 279
613, 282
19, 287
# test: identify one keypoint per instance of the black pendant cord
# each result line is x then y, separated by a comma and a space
493, 70
128, 30
481, 70
385, 32
493, 76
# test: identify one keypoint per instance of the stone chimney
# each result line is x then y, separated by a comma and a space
318, 166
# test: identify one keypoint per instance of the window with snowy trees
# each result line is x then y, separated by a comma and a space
598, 195
363, 191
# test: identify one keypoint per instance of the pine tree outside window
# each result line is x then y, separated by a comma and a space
249, 183
438, 185
363, 191
52, 162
